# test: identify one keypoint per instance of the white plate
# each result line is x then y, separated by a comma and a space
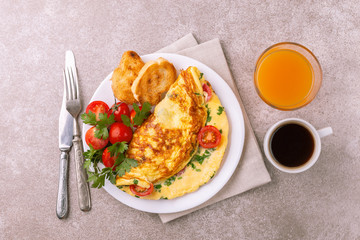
231, 157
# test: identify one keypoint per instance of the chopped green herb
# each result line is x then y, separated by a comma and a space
220, 131
208, 118
197, 94
120, 187
220, 110
179, 178
137, 196
192, 151
213, 175
163, 198
136, 181
200, 158
193, 166
201, 75
169, 181
158, 187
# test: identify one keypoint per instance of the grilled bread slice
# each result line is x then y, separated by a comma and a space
124, 76
154, 79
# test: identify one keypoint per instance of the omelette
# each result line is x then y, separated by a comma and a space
166, 145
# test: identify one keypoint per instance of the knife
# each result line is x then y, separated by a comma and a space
66, 125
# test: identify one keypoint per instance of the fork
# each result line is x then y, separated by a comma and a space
73, 106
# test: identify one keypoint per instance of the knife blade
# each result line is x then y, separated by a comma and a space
66, 125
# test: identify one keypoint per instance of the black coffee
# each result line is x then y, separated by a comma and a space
292, 145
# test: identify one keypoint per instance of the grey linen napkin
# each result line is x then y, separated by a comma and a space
251, 171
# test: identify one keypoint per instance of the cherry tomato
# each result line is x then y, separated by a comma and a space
108, 160
119, 132
208, 91
209, 137
132, 115
97, 107
139, 191
119, 109
96, 143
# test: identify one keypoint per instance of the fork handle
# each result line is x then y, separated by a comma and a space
62, 206
81, 176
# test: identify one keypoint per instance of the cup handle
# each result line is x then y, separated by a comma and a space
324, 132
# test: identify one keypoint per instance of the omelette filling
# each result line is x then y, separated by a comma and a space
166, 146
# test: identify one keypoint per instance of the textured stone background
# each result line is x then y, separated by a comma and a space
322, 203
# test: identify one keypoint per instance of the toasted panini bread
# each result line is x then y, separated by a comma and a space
154, 79
124, 76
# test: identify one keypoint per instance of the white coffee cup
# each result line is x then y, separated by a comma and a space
316, 134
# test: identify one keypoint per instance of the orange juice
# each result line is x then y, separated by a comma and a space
284, 78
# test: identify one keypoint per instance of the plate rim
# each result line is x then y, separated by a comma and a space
173, 204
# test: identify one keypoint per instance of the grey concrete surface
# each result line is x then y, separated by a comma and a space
322, 203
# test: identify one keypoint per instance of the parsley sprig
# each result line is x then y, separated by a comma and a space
92, 156
140, 116
117, 148
101, 124
98, 176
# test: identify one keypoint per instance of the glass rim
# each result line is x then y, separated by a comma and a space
304, 101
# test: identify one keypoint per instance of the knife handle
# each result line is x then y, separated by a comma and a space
62, 206
81, 176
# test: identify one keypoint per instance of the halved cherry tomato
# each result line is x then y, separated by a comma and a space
119, 109
132, 115
140, 191
119, 132
108, 160
208, 91
96, 143
97, 107
209, 137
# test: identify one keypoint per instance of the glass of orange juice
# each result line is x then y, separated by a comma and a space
287, 76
